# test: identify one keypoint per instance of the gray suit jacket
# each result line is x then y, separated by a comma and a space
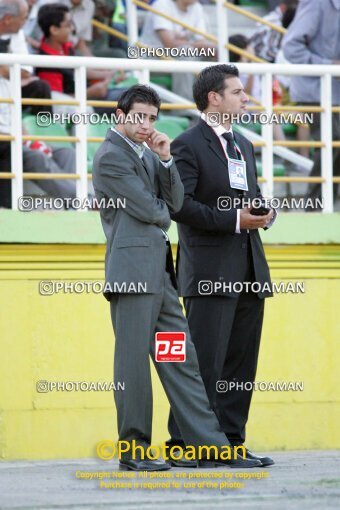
136, 248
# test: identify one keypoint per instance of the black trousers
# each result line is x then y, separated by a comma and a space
226, 333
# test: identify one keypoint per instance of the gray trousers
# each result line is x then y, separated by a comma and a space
62, 161
136, 319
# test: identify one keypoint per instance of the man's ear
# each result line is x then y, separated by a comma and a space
212, 98
120, 113
53, 29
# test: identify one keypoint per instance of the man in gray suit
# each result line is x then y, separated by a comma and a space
134, 163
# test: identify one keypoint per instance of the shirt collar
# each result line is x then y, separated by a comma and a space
219, 130
137, 147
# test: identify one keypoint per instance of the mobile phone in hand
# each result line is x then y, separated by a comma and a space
259, 211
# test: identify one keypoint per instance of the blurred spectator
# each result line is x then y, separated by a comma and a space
266, 41
272, 4
31, 27
85, 41
37, 157
56, 23
12, 40
314, 38
82, 13
101, 41
119, 21
161, 32
252, 82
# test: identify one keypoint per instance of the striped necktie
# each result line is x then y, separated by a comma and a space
231, 147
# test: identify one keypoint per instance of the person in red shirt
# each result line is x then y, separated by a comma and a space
56, 24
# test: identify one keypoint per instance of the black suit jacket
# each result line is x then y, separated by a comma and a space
209, 249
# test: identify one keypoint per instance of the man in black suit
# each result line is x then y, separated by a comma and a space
219, 245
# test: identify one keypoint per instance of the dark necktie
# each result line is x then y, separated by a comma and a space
231, 147
231, 151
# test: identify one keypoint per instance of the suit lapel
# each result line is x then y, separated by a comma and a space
213, 141
145, 169
149, 165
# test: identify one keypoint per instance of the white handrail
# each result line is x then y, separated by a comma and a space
145, 66
163, 66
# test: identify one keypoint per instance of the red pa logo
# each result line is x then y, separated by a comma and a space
170, 347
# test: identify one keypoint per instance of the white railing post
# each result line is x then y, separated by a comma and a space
16, 131
326, 138
132, 29
222, 31
144, 76
267, 134
81, 133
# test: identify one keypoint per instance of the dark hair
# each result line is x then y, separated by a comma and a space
138, 94
288, 16
51, 15
211, 79
240, 41
289, 3
9, 9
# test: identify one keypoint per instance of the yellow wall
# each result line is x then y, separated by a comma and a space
68, 337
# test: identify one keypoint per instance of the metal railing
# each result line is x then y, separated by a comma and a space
222, 30
144, 67
253, 17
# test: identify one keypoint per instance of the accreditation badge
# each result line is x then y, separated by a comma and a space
237, 174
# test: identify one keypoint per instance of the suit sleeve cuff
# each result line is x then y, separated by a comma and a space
167, 164
272, 221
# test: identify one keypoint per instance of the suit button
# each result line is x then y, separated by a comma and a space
244, 245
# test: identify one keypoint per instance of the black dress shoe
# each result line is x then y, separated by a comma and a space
265, 461
238, 463
178, 460
141, 462
144, 465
